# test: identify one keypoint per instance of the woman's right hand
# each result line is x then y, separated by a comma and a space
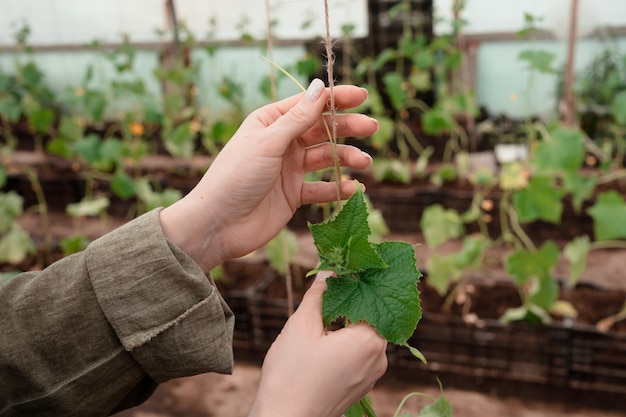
314, 373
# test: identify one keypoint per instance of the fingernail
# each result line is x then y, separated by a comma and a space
315, 89
322, 275
368, 156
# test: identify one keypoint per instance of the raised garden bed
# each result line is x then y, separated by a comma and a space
565, 360
568, 360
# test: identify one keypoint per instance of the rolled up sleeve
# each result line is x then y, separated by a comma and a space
94, 332
166, 312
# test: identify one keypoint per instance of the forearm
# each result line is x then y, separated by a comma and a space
99, 327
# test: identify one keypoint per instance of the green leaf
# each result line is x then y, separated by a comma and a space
180, 142
111, 152
538, 60
543, 292
281, 250
609, 216
437, 122
385, 133
343, 241
71, 128
529, 313
361, 409
581, 187
11, 204
394, 86
88, 207
88, 148
442, 271
446, 172
386, 298
123, 185
15, 245
472, 251
73, 244
618, 108
153, 199
10, 108
391, 169
524, 264
60, 147
440, 225
538, 201
439, 408
563, 152
41, 119
576, 253
95, 104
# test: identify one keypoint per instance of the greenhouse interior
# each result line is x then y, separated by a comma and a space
404, 205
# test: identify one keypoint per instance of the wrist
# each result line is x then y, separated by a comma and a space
196, 235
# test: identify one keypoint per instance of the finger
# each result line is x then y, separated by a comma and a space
295, 121
325, 192
355, 124
346, 97
321, 156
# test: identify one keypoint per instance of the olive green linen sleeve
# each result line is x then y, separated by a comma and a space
96, 331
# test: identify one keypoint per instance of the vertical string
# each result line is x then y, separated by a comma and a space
332, 113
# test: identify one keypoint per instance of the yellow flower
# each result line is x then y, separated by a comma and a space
136, 128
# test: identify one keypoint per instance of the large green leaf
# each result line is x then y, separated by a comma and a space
609, 216
539, 201
386, 298
343, 242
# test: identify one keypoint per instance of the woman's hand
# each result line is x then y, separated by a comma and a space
309, 372
256, 183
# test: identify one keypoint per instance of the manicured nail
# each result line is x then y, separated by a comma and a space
322, 275
315, 89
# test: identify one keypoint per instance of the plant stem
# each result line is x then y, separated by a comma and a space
607, 244
519, 231
406, 397
42, 208
333, 110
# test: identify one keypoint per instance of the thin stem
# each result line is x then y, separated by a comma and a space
608, 244
519, 232
42, 208
270, 49
333, 110
406, 397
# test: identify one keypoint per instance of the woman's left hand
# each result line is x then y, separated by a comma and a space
256, 183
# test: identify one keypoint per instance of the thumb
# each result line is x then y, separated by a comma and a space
303, 115
312, 300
